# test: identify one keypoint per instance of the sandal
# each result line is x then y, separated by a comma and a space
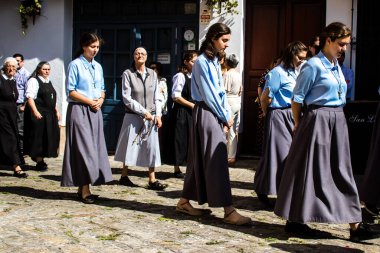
20, 174
187, 208
157, 186
242, 221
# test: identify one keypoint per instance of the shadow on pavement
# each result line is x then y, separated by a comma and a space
258, 229
299, 247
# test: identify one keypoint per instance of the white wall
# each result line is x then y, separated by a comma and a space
235, 22
49, 39
345, 11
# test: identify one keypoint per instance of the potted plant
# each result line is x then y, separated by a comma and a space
228, 5
29, 8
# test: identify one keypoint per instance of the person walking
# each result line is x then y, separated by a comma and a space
10, 151
41, 117
85, 159
182, 111
21, 77
317, 184
233, 85
138, 143
278, 129
207, 176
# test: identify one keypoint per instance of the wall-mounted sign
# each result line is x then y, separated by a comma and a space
163, 58
205, 16
191, 46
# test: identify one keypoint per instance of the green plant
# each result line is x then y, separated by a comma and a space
228, 5
29, 8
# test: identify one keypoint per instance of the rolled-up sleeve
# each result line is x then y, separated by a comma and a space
32, 88
304, 82
178, 84
72, 81
272, 82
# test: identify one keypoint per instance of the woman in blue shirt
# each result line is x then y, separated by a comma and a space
85, 158
275, 102
207, 177
317, 184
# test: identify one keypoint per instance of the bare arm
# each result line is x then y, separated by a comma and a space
33, 107
296, 111
265, 101
182, 101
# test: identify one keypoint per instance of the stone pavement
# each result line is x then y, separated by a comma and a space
37, 215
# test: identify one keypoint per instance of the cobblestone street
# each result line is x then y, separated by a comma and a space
37, 215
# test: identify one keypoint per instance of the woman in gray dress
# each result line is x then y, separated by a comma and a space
317, 184
275, 103
207, 176
138, 143
85, 158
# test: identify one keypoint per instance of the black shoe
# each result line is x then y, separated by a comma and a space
41, 166
178, 174
265, 200
299, 229
372, 209
363, 232
20, 174
157, 186
88, 200
126, 182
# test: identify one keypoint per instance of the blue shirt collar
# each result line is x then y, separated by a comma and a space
87, 64
328, 65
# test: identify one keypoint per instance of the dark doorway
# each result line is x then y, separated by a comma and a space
158, 25
270, 26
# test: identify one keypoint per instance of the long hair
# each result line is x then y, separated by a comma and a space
38, 68
214, 32
186, 57
334, 31
291, 50
85, 40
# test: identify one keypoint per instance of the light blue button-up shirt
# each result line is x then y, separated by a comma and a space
21, 77
207, 85
280, 83
84, 77
320, 82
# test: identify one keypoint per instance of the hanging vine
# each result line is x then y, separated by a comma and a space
228, 5
31, 9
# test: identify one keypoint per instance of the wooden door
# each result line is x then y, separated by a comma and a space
270, 26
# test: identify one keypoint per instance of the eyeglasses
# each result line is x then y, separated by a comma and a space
142, 54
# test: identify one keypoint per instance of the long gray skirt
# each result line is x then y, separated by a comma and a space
277, 140
370, 187
207, 177
134, 149
85, 159
317, 184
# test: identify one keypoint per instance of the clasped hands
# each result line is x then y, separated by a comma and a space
96, 104
157, 119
